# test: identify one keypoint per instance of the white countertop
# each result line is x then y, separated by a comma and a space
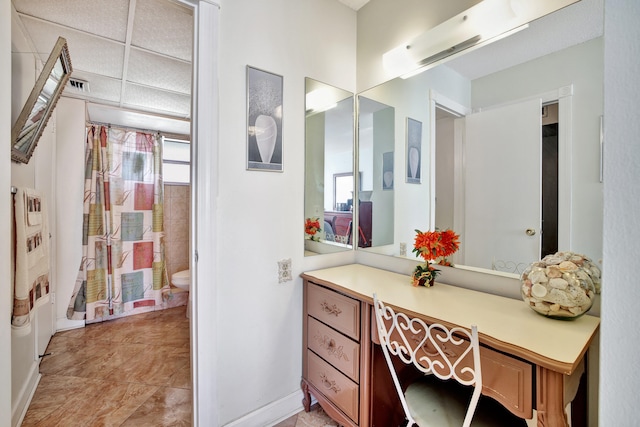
506, 320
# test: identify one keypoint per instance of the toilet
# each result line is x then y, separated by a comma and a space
181, 279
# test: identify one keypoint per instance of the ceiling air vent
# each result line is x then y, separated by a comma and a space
79, 85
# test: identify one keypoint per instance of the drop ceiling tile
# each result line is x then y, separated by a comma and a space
88, 53
150, 99
100, 88
107, 18
164, 27
117, 116
153, 70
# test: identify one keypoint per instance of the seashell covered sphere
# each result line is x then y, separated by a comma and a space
561, 286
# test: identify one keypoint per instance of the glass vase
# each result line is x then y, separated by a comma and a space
561, 286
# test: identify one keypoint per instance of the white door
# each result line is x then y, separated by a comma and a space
502, 186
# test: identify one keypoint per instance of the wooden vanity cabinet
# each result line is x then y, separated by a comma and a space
334, 365
528, 361
338, 353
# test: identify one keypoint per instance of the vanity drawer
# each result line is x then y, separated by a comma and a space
508, 380
335, 386
335, 348
336, 310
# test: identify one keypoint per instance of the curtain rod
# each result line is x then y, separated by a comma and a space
14, 189
131, 128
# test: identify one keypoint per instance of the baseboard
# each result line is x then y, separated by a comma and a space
272, 413
63, 324
21, 403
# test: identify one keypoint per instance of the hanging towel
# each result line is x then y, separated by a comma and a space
32, 257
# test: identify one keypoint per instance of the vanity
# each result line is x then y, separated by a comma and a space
528, 361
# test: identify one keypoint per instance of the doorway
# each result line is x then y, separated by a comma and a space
444, 168
549, 173
468, 189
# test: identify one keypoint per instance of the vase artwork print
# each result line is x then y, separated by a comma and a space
414, 148
264, 120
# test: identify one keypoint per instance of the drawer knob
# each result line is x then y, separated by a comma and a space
330, 309
329, 384
330, 346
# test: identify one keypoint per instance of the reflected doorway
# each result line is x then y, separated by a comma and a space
449, 157
445, 168
549, 226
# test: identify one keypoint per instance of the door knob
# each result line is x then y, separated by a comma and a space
530, 232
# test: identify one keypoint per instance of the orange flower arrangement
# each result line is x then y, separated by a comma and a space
311, 227
431, 246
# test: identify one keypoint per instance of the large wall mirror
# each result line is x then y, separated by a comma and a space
329, 178
41, 102
504, 155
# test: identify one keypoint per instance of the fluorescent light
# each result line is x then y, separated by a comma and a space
479, 23
321, 99
457, 52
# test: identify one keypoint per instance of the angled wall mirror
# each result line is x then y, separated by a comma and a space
41, 102
329, 132
448, 104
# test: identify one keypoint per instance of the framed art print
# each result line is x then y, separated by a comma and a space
387, 171
414, 151
264, 120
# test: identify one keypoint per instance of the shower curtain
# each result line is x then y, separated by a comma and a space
122, 267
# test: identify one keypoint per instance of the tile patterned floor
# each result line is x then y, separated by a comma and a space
314, 418
100, 376
133, 371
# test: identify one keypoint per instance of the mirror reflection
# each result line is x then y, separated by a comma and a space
497, 168
329, 179
41, 102
376, 128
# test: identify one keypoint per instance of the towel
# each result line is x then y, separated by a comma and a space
32, 267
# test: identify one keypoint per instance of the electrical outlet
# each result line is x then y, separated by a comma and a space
284, 270
403, 249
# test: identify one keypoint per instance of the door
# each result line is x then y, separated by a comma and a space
502, 149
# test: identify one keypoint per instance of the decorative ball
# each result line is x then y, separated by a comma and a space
561, 286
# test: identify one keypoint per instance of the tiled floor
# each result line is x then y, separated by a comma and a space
314, 418
133, 371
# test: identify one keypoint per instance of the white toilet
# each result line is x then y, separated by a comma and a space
181, 279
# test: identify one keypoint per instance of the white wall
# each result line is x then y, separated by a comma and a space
582, 66
620, 367
315, 181
6, 214
38, 174
260, 219
69, 172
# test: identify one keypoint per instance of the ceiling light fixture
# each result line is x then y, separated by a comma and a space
453, 52
478, 24
319, 100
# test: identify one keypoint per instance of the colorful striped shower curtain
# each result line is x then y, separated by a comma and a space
122, 267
